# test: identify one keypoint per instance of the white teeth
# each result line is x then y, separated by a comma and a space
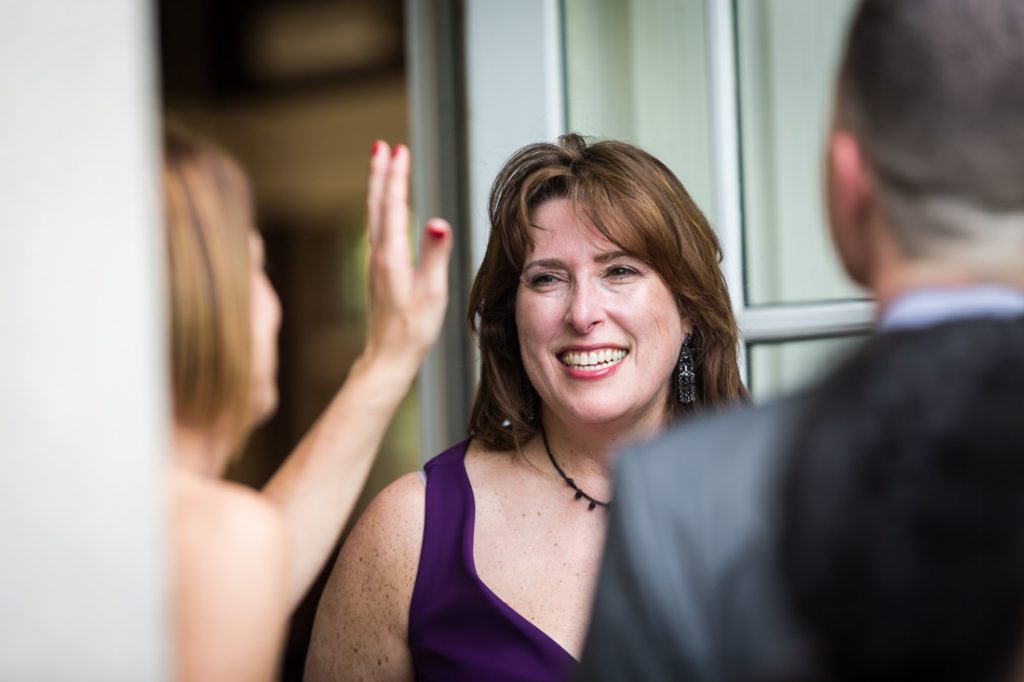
606, 357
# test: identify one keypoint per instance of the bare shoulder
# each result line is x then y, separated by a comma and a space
386, 539
362, 621
227, 520
384, 545
230, 580
393, 518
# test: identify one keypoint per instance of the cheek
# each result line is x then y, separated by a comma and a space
529, 321
536, 325
266, 312
664, 326
669, 333
671, 327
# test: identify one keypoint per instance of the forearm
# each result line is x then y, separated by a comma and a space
317, 486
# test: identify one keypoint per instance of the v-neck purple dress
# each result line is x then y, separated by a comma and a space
458, 629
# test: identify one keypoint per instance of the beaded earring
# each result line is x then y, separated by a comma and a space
686, 374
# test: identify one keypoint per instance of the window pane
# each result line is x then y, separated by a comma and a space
787, 52
777, 368
636, 70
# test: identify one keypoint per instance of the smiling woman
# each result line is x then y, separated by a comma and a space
599, 330
602, 317
634, 214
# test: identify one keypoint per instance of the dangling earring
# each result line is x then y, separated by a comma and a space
686, 376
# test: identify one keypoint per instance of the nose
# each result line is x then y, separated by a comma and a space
585, 310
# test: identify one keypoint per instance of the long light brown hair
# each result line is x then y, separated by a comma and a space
639, 205
207, 217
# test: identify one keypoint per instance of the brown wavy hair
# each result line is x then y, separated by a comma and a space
639, 205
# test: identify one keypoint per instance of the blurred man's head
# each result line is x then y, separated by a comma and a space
928, 141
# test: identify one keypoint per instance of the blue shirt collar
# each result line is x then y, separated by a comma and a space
928, 307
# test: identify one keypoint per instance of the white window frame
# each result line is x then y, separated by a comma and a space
766, 323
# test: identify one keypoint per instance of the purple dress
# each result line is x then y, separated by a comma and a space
459, 629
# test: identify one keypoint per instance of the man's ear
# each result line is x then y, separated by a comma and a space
851, 204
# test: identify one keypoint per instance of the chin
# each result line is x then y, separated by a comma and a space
618, 414
599, 415
263, 408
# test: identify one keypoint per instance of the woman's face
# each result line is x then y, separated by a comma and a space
599, 331
266, 322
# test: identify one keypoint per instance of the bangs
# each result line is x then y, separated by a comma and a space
633, 222
628, 219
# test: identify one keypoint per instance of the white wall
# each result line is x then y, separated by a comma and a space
82, 432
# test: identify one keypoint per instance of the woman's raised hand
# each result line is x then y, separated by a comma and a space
407, 302
318, 484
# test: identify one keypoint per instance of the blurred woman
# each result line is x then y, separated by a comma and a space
243, 559
602, 317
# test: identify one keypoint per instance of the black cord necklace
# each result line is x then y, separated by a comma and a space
571, 483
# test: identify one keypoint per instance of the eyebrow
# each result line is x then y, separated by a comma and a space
558, 263
544, 263
612, 255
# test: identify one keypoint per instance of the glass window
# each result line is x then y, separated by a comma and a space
787, 53
636, 70
777, 368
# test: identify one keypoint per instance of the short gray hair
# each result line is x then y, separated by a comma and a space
934, 92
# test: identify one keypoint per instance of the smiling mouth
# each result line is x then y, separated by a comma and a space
595, 359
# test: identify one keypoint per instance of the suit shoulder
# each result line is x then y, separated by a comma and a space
717, 441
716, 473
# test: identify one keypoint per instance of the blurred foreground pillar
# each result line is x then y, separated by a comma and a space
82, 389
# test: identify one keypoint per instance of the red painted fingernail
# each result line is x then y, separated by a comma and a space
394, 154
376, 148
436, 231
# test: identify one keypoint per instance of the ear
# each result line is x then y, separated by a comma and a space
850, 197
684, 316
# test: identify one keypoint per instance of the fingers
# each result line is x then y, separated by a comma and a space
380, 158
394, 284
407, 303
395, 217
432, 274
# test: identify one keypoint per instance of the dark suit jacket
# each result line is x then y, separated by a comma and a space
688, 588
